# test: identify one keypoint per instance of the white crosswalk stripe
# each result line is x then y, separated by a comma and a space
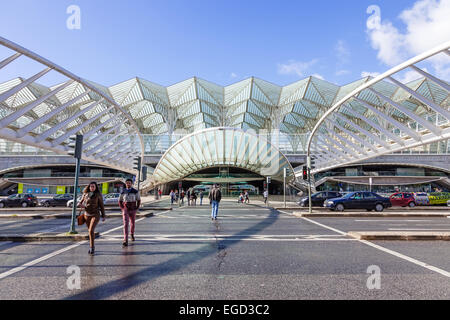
210, 237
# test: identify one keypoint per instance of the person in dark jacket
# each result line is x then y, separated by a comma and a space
215, 196
129, 202
92, 202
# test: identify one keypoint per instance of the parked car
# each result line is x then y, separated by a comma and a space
403, 199
421, 198
359, 200
56, 201
318, 198
448, 203
70, 202
111, 199
19, 200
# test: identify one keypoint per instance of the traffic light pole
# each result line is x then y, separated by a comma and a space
284, 186
76, 149
139, 179
308, 163
75, 196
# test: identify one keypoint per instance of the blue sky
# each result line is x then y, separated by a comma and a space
221, 41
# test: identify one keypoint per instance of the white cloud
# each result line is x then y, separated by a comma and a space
342, 52
233, 75
342, 72
427, 25
408, 76
316, 75
369, 74
296, 67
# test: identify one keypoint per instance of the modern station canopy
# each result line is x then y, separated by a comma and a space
227, 147
405, 107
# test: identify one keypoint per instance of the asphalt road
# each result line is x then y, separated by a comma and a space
250, 252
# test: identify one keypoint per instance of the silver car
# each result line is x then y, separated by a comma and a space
111, 199
70, 202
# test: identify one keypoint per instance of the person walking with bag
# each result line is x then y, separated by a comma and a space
129, 202
215, 196
92, 202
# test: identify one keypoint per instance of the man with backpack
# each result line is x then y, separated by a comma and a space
215, 196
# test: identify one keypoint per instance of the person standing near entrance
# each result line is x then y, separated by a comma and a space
215, 196
129, 202
182, 196
201, 197
246, 197
172, 196
188, 196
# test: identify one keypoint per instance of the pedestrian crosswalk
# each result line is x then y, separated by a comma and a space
223, 216
230, 237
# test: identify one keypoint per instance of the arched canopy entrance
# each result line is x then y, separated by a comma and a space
222, 147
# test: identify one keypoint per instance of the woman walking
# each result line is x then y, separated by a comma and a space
92, 202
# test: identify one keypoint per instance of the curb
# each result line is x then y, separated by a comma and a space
47, 237
65, 216
407, 236
390, 209
371, 215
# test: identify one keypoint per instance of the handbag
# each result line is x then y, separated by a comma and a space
81, 218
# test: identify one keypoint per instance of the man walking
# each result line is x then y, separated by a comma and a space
201, 197
215, 196
129, 202
188, 196
246, 197
265, 195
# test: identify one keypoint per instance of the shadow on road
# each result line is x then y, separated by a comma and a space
109, 289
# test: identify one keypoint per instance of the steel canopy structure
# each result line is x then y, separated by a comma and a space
384, 116
337, 125
226, 147
34, 115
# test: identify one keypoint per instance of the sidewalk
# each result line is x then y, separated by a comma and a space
390, 214
393, 235
52, 213
47, 237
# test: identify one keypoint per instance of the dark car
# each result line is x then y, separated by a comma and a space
358, 200
19, 200
57, 201
318, 198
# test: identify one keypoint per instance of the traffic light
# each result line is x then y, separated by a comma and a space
305, 173
144, 173
137, 164
75, 146
313, 162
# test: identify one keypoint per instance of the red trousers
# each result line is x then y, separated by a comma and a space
129, 217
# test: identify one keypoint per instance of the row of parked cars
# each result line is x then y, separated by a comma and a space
339, 201
29, 200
